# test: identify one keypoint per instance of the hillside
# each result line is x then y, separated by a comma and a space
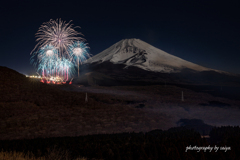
30, 109
109, 74
55, 120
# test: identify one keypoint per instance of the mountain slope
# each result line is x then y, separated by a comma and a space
134, 52
134, 62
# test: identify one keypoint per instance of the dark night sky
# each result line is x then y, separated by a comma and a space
203, 32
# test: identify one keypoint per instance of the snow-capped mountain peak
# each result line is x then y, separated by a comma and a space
135, 52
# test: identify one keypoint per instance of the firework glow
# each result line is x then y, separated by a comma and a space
58, 51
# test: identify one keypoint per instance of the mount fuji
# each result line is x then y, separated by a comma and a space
134, 62
135, 52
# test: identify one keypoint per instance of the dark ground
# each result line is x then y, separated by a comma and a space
32, 110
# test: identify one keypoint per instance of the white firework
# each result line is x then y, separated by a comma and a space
59, 34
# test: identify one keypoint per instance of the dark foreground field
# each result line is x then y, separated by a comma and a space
175, 143
32, 110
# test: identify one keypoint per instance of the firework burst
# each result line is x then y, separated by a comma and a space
79, 52
59, 34
58, 50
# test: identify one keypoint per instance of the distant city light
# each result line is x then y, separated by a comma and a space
33, 76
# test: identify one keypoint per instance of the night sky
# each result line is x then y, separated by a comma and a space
203, 32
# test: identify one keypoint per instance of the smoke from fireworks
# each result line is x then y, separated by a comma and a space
58, 50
